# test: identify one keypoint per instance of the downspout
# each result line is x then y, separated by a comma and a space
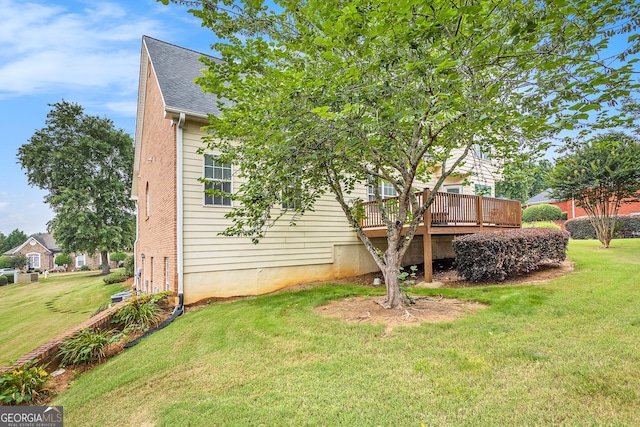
136, 279
180, 213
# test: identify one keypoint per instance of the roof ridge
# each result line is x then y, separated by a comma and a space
144, 37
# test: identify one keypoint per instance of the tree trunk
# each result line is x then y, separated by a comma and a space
104, 258
395, 298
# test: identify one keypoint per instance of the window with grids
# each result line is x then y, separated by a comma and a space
385, 189
218, 177
482, 190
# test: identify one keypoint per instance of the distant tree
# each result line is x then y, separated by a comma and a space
600, 174
4, 261
326, 97
2, 238
63, 259
117, 256
524, 179
18, 262
14, 239
85, 164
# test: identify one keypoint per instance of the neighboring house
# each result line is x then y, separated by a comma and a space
574, 211
178, 246
42, 250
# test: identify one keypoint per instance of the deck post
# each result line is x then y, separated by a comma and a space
479, 212
426, 240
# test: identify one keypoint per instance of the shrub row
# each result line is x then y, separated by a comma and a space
626, 228
496, 256
543, 212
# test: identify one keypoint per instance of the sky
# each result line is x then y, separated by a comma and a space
87, 52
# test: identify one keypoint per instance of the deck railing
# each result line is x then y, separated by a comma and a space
449, 209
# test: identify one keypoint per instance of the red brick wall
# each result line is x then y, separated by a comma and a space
625, 209
157, 194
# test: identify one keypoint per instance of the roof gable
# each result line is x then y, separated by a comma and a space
44, 240
175, 69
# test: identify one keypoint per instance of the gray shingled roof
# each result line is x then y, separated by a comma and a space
542, 197
45, 239
176, 68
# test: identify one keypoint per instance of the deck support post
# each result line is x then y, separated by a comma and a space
427, 250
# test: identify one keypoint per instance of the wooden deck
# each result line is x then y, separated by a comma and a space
449, 214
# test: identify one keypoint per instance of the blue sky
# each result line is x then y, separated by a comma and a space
81, 51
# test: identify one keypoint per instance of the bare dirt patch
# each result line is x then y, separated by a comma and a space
425, 310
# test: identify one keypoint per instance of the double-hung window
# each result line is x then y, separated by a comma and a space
217, 176
385, 189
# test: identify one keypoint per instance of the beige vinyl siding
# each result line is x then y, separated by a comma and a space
310, 242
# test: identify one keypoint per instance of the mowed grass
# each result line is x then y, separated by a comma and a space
566, 352
31, 314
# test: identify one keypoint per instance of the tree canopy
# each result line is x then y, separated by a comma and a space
85, 164
14, 239
521, 180
600, 174
325, 96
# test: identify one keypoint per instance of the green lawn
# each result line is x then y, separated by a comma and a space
31, 314
563, 353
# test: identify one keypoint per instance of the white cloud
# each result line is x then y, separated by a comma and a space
45, 48
123, 108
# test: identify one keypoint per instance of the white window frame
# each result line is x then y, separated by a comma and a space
84, 260
211, 181
459, 189
29, 260
385, 189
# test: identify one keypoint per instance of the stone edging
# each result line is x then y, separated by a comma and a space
47, 352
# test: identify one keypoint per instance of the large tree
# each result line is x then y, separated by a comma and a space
85, 165
600, 174
327, 95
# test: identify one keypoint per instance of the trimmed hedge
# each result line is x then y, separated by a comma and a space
117, 277
9, 277
496, 256
543, 212
3, 281
627, 227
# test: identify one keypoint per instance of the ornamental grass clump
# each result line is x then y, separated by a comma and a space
87, 346
141, 313
24, 384
497, 256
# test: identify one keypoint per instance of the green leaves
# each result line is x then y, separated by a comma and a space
85, 164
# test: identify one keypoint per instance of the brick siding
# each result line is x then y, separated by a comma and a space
157, 210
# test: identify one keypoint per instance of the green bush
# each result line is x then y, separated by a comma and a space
117, 277
543, 212
86, 346
3, 280
117, 256
141, 313
129, 265
496, 256
85, 268
541, 224
627, 227
9, 278
4, 261
63, 259
24, 384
